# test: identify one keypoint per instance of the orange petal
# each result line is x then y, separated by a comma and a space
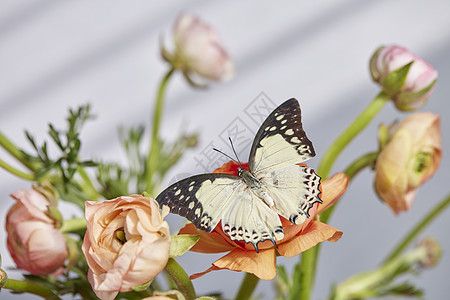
315, 233
332, 189
209, 242
260, 264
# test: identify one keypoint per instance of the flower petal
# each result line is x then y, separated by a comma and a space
315, 233
332, 189
209, 242
261, 264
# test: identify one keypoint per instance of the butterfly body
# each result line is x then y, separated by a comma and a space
250, 204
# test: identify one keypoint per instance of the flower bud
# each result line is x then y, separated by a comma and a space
33, 240
406, 78
126, 244
409, 159
433, 252
3, 278
198, 51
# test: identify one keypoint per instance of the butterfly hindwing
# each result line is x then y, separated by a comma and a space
281, 140
251, 220
294, 190
202, 199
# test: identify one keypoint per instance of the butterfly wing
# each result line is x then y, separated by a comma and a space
202, 199
281, 144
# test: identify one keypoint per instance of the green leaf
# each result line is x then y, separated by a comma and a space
180, 244
142, 287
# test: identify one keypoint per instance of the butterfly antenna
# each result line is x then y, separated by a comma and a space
215, 149
234, 150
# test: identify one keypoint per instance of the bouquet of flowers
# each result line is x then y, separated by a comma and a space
273, 205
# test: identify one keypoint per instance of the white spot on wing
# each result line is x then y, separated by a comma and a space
289, 132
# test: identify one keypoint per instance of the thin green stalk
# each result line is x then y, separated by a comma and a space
359, 164
309, 258
155, 147
14, 171
16, 152
350, 133
439, 208
73, 225
354, 168
181, 279
88, 187
248, 285
29, 287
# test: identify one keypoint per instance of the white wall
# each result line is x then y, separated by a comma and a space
59, 54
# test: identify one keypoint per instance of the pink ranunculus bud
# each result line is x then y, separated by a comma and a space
34, 242
411, 157
126, 243
406, 78
198, 51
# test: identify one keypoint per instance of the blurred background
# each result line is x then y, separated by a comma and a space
60, 54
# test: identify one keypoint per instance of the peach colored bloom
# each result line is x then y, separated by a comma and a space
198, 50
410, 91
410, 158
35, 244
126, 243
297, 238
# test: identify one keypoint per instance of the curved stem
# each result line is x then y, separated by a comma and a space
354, 168
14, 171
181, 279
419, 227
153, 155
16, 152
73, 225
248, 285
30, 287
309, 257
350, 133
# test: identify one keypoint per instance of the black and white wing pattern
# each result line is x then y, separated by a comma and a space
249, 206
208, 198
280, 145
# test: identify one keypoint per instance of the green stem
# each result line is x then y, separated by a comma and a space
309, 258
181, 279
30, 287
88, 187
439, 208
155, 147
14, 171
350, 133
16, 152
367, 160
73, 225
248, 285
354, 168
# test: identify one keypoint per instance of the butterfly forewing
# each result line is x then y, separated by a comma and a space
202, 199
280, 141
279, 145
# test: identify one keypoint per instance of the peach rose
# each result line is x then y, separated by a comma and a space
34, 242
126, 243
409, 159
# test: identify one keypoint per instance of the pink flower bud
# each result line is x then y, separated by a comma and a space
35, 244
406, 78
410, 158
199, 51
126, 244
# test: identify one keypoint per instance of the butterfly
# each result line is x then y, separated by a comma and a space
249, 205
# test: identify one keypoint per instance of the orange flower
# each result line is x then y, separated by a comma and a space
297, 238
